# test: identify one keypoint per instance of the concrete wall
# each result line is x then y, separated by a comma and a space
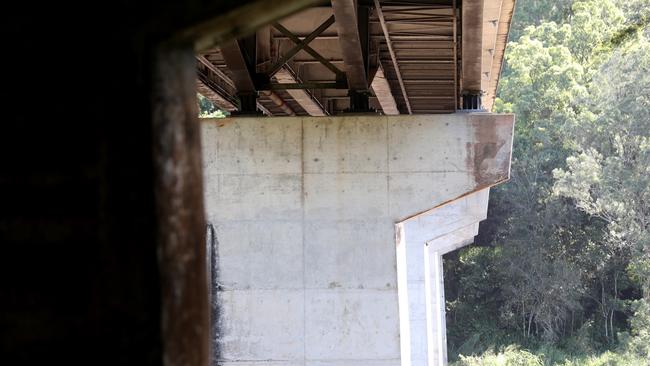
306, 210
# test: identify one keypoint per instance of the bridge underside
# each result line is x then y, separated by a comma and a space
330, 231
331, 219
390, 56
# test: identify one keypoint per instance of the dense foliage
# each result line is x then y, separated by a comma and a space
561, 272
207, 109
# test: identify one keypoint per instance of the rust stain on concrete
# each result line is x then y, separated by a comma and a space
488, 157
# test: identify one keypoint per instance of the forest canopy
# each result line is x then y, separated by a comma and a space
560, 273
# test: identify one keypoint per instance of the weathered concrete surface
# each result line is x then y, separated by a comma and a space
305, 211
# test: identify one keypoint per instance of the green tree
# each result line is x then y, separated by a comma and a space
207, 109
609, 177
568, 233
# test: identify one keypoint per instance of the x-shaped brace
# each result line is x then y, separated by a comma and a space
304, 45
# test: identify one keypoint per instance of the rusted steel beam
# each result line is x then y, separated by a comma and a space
505, 18
301, 45
205, 62
178, 188
214, 94
311, 62
416, 37
263, 53
472, 46
278, 101
381, 88
242, 66
339, 74
215, 85
302, 97
208, 88
345, 12
456, 96
302, 36
242, 21
307, 85
263, 109
393, 58
238, 65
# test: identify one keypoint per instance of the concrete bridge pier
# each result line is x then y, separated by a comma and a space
330, 232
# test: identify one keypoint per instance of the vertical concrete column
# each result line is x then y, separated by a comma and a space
435, 307
411, 274
421, 243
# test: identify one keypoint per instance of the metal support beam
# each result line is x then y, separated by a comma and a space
263, 57
212, 90
456, 96
278, 101
215, 85
381, 88
472, 102
302, 97
247, 102
301, 45
393, 58
307, 85
359, 101
209, 65
345, 12
339, 74
503, 27
244, 19
363, 22
472, 47
206, 87
242, 65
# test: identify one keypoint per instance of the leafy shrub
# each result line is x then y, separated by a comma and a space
510, 356
639, 343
